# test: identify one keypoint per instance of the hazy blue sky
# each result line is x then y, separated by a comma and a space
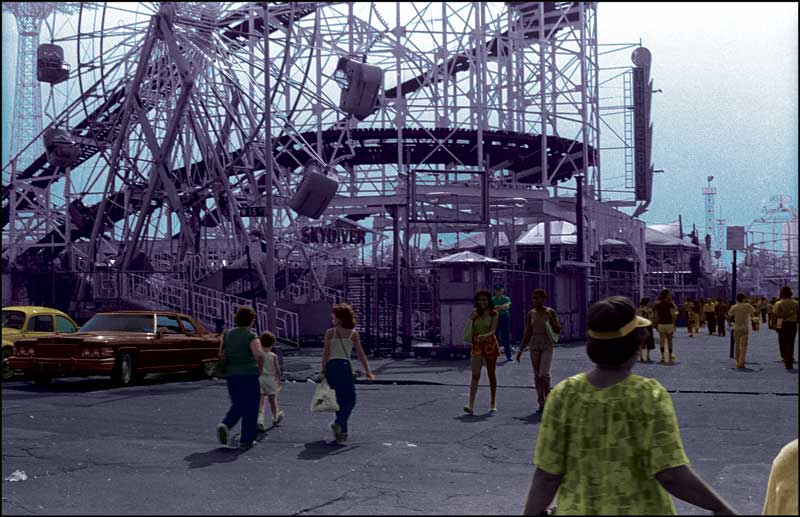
729, 107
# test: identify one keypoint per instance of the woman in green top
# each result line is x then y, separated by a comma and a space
244, 361
609, 442
481, 326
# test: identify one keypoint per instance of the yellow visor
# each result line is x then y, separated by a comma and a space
635, 323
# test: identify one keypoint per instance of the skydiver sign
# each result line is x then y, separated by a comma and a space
333, 235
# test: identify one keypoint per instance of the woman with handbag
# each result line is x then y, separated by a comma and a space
242, 360
336, 368
541, 344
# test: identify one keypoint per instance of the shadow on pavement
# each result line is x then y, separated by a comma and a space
90, 384
533, 418
321, 448
200, 460
473, 418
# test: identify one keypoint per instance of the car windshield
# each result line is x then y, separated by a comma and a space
13, 319
119, 323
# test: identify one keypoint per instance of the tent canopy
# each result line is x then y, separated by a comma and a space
466, 257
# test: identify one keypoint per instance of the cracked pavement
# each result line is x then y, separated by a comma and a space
89, 448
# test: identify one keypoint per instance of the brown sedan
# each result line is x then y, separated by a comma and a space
124, 344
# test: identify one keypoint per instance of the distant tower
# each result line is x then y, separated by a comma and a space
27, 119
710, 193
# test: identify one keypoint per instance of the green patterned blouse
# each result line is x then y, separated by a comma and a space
609, 443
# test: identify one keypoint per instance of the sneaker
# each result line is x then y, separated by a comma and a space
277, 418
222, 433
342, 438
672, 357
337, 432
493, 409
246, 446
468, 410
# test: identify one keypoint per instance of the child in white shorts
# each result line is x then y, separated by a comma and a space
269, 381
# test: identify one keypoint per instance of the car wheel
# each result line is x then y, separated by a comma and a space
210, 369
124, 371
8, 373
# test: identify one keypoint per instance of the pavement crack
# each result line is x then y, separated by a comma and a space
326, 503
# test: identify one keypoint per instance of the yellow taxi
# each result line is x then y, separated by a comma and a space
31, 322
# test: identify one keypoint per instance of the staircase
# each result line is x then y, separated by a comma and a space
205, 304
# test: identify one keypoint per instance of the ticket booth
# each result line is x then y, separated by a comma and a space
460, 277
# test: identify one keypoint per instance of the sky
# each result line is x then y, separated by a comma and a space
729, 108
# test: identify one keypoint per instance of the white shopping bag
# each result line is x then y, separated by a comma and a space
324, 398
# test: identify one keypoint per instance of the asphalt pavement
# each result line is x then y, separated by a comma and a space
88, 448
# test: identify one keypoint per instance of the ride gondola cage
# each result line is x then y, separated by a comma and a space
316, 190
361, 83
60, 148
50, 65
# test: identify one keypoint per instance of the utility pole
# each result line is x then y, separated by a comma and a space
268, 213
733, 296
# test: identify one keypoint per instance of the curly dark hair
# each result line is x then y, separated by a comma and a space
346, 315
244, 317
488, 295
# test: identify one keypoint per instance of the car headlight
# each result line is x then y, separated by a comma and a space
106, 351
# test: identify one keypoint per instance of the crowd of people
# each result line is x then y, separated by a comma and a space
585, 417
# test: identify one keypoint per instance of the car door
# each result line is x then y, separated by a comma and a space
199, 345
170, 347
39, 325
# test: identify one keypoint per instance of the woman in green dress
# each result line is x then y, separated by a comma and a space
609, 442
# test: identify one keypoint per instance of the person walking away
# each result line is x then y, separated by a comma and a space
711, 317
762, 308
688, 315
647, 313
336, 368
721, 310
666, 313
770, 313
781, 498
502, 304
609, 442
536, 336
701, 314
241, 350
482, 323
741, 313
786, 324
269, 381
756, 319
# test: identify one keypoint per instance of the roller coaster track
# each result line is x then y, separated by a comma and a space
239, 31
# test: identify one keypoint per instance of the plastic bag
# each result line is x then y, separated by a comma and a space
324, 398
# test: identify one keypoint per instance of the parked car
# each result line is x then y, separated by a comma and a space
124, 344
31, 322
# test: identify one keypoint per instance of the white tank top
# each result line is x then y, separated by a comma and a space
340, 348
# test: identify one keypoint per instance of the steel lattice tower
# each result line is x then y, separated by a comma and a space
27, 122
710, 195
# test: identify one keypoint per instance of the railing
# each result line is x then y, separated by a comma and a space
207, 305
302, 288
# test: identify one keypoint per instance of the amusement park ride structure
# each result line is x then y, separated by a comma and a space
488, 119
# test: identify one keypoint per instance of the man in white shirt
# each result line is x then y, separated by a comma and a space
741, 313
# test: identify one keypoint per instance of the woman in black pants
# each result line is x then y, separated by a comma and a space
244, 360
785, 312
339, 343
